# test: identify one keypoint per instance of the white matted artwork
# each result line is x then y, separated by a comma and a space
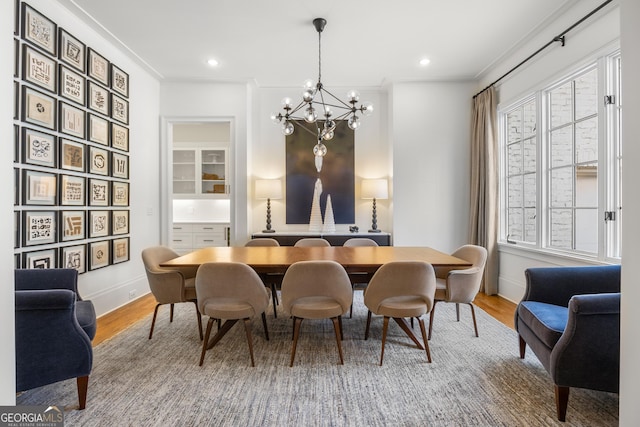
98, 129
119, 165
119, 222
38, 148
119, 81
38, 69
98, 161
39, 227
98, 223
39, 188
74, 257
99, 254
98, 192
71, 50
119, 137
119, 109
72, 155
72, 190
71, 120
120, 250
71, 85
38, 108
72, 225
40, 259
98, 67
98, 98
38, 29
120, 193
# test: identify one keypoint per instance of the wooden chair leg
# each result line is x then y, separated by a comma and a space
264, 324
433, 311
562, 399
473, 316
274, 298
523, 346
457, 312
338, 329
424, 338
83, 385
206, 340
153, 321
366, 331
385, 326
171, 315
341, 333
247, 329
296, 331
412, 323
199, 319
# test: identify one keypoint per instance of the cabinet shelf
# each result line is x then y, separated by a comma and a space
200, 172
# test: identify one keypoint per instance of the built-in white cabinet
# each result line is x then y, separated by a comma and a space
200, 173
189, 236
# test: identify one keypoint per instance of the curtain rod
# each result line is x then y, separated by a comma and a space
559, 38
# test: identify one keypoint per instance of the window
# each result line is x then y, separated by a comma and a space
561, 164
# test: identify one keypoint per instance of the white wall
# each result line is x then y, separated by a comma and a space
191, 101
431, 158
630, 319
594, 37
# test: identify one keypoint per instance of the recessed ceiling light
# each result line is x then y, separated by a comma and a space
425, 61
212, 62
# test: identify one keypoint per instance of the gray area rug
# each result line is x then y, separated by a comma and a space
471, 382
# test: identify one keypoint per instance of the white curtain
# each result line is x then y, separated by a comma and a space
483, 219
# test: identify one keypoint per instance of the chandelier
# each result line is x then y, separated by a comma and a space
321, 107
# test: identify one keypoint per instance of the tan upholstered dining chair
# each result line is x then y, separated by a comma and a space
358, 278
461, 286
169, 285
230, 291
270, 279
399, 290
316, 290
312, 241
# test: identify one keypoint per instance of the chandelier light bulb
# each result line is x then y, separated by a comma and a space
367, 109
307, 95
329, 125
328, 135
354, 122
310, 115
309, 84
353, 96
275, 117
328, 112
287, 128
319, 150
286, 102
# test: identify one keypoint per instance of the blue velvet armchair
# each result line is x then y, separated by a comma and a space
54, 329
570, 318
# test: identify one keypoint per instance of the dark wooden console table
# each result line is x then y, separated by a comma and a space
336, 239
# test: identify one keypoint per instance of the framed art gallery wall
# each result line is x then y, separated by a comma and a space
71, 148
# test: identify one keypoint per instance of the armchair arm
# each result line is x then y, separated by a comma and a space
50, 344
556, 285
588, 352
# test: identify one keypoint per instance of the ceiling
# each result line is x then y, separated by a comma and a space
366, 43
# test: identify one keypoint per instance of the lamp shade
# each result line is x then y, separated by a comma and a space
374, 189
268, 189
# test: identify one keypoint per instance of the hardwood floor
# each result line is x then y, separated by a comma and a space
120, 319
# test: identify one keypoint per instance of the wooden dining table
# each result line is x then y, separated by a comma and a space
361, 259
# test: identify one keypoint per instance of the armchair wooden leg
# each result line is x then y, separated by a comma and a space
153, 321
338, 329
247, 329
366, 331
274, 298
199, 320
340, 323
385, 326
83, 385
424, 338
523, 346
206, 339
264, 324
562, 399
433, 311
171, 315
457, 312
473, 316
296, 331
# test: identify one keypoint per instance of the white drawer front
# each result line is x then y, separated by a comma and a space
208, 228
182, 228
182, 240
206, 240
